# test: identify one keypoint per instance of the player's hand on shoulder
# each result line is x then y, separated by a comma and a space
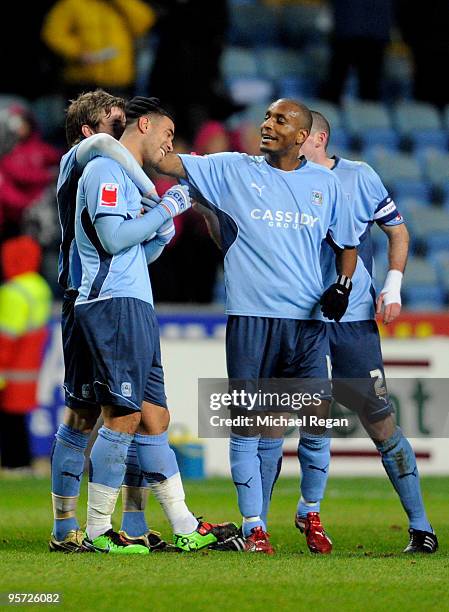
334, 301
176, 200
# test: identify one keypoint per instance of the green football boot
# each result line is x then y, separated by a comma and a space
113, 543
204, 535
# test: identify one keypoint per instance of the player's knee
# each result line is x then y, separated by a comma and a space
121, 419
155, 419
381, 430
82, 420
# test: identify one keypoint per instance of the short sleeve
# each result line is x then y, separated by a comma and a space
104, 190
206, 173
341, 228
384, 208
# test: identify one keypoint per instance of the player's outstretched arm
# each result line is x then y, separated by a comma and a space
389, 299
104, 145
172, 166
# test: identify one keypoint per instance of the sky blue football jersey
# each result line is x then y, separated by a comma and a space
368, 200
273, 224
104, 189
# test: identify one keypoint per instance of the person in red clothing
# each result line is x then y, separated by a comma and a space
28, 169
25, 308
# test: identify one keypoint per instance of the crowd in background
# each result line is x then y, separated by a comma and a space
174, 50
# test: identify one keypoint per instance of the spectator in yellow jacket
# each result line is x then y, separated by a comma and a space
95, 39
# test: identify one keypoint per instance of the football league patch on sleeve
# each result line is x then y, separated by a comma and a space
109, 194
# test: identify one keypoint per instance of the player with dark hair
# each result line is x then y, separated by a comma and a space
93, 121
274, 212
115, 313
355, 347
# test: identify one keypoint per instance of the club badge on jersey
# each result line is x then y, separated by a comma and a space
109, 194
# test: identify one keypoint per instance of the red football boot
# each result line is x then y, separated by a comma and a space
317, 539
258, 542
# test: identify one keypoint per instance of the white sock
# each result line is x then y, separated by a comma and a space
100, 506
170, 494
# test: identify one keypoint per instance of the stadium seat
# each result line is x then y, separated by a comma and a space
370, 123
421, 284
250, 90
435, 165
398, 75
276, 63
411, 188
300, 22
253, 24
420, 124
415, 303
238, 62
255, 113
329, 110
298, 87
440, 261
400, 172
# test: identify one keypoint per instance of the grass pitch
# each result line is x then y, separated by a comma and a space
366, 571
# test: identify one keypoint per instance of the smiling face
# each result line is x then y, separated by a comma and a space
283, 130
159, 138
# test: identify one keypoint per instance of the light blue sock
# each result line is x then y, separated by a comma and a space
157, 460
134, 496
270, 456
67, 466
399, 461
108, 456
245, 470
314, 457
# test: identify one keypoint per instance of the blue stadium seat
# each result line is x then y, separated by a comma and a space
427, 222
300, 22
340, 139
400, 172
440, 261
398, 76
418, 304
298, 87
250, 90
411, 188
435, 165
238, 62
370, 123
328, 109
420, 124
421, 284
276, 63
253, 24
255, 113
